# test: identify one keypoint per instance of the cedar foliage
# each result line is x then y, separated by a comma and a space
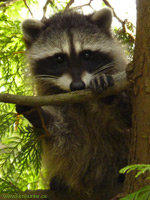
21, 148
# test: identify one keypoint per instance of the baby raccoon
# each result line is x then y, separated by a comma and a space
86, 143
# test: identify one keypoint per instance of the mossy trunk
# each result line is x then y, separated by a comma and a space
140, 147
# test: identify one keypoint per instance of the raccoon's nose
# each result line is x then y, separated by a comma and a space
77, 85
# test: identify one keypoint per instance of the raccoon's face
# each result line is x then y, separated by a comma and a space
66, 51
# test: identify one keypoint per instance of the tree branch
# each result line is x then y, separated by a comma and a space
115, 15
45, 7
7, 3
61, 99
123, 23
87, 4
28, 7
69, 4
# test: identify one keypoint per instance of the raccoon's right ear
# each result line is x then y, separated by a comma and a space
31, 29
103, 18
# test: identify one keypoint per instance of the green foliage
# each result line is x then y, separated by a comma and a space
11, 57
126, 36
141, 168
20, 146
23, 152
143, 193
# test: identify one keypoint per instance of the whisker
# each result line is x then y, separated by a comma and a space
103, 68
46, 77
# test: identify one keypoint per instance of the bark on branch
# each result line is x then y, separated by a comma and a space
60, 99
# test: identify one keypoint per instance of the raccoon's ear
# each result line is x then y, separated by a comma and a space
31, 29
103, 18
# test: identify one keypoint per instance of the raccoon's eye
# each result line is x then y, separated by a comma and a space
60, 58
86, 55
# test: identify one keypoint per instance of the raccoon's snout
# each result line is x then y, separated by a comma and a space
77, 85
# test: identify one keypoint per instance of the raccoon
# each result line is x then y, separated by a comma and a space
86, 144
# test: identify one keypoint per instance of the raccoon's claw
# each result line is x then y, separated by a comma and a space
101, 82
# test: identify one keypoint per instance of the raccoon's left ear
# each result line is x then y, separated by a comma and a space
31, 29
103, 18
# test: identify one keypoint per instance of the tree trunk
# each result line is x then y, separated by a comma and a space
140, 146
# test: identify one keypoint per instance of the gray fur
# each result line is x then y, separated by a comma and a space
87, 143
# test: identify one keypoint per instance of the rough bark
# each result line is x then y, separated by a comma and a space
140, 147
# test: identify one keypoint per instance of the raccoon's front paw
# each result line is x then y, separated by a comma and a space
101, 82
